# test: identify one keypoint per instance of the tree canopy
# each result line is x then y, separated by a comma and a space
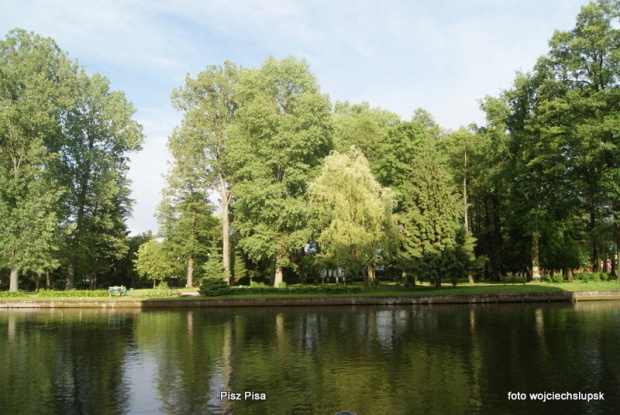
271, 181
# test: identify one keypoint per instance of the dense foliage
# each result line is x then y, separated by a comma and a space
64, 141
212, 287
73, 293
310, 191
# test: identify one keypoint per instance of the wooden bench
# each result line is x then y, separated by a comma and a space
117, 291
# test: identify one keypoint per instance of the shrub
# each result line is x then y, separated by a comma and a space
214, 287
298, 290
160, 293
72, 293
558, 278
546, 278
11, 294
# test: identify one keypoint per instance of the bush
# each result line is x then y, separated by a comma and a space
558, 278
214, 287
72, 293
160, 293
513, 279
11, 294
298, 290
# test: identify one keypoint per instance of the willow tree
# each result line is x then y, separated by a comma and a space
199, 146
282, 133
353, 211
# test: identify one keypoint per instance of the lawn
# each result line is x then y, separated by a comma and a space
387, 289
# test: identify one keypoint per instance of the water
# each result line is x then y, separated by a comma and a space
311, 360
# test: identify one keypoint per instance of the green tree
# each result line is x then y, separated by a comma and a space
395, 154
153, 261
187, 222
353, 213
209, 103
434, 241
34, 74
559, 126
282, 133
579, 110
98, 134
362, 126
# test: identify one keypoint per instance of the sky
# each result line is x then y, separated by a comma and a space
440, 55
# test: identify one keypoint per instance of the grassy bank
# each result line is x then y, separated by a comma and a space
478, 288
389, 290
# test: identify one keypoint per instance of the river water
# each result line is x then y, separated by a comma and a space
482, 359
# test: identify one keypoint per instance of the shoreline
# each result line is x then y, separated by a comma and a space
536, 297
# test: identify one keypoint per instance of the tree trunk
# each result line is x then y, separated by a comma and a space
278, 276
190, 269
225, 195
14, 279
438, 282
535, 257
369, 278
465, 192
470, 278
76, 240
71, 271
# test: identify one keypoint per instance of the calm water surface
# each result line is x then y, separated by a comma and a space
369, 360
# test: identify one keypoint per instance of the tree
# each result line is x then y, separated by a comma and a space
434, 241
34, 75
363, 127
353, 212
396, 152
559, 127
98, 133
282, 133
187, 221
209, 103
580, 110
153, 261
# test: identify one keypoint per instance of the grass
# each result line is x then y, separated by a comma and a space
385, 289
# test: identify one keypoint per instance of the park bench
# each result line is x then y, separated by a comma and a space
117, 291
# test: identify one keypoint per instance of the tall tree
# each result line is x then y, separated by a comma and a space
209, 103
187, 222
99, 132
283, 132
434, 241
362, 126
580, 109
354, 213
34, 78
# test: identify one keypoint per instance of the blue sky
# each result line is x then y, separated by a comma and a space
441, 55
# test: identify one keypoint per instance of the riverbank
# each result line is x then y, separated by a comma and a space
492, 298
